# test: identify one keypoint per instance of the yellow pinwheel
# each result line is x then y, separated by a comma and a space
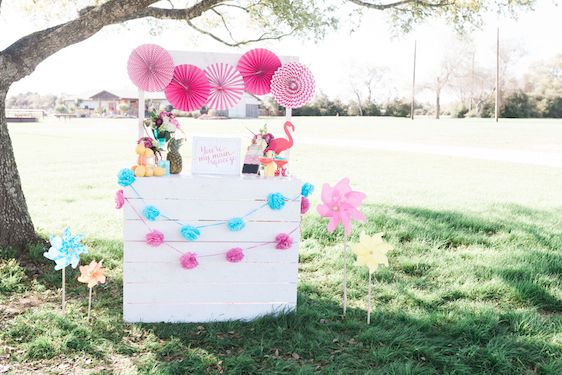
371, 251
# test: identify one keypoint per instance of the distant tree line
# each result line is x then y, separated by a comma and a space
31, 100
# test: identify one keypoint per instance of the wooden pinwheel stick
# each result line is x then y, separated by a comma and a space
344, 274
90, 303
369, 308
63, 290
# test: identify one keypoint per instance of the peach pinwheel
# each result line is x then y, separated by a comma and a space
92, 274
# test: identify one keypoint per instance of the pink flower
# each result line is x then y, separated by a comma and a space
235, 255
305, 205
189, 261
284, 241
154, 238
340, 205
119, 199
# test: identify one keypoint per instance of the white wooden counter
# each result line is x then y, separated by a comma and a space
158, 289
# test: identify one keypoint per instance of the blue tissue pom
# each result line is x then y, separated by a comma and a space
125, 177
307, 189
276, 201
190, 233
236, 224
151, 213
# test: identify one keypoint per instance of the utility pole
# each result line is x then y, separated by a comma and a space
413, 83
498, 74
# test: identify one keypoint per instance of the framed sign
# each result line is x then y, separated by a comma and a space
216, 155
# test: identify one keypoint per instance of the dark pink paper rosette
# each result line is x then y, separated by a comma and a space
292, 85
227, 86
189, 89
257, 67
150, 67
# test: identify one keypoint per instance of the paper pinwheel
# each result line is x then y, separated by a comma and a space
189, 89
150, 67
257, 67
227, 86
92, 274
65, 250
292, 85
340, 205
371, 253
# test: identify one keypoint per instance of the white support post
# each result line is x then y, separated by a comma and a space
288, 113
141, 113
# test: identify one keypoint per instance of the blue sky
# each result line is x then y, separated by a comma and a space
100, 62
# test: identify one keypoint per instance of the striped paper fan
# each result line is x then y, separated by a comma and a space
227, 86
189, 89
257, 67
293, 85
150, 67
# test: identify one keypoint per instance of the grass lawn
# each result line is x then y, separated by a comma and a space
473, 210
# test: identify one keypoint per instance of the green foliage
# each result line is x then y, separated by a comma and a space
519, 105
322, 106
552, 107
397, 108
12, 277
459, 112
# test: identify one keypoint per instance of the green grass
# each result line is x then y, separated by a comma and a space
473, 286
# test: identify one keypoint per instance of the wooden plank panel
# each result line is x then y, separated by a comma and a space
213, 210
169, 272
212, 187
194, 313
136, 230
140, 252
170, 293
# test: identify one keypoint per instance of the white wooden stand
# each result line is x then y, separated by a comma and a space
158, 289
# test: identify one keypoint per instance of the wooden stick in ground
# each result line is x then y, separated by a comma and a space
89, 303
63, 290
369, 308
344, 275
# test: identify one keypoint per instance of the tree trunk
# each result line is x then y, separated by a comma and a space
437, 106
16, 228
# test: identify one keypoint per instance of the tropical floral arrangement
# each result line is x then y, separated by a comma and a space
163, 124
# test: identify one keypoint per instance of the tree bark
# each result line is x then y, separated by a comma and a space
437, 105
16, 227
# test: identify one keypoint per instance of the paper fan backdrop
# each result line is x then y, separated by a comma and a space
150, 67
189, 89
227, 86
293, 85
257, 67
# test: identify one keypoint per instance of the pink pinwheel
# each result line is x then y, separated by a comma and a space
227, 86
292, 85
150, 67
189, 89
340, 205
257, 67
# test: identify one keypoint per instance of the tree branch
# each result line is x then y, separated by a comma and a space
397, 4
225, 24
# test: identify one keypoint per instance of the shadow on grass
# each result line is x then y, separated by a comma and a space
458, 329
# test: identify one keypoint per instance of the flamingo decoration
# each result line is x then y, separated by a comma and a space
278, 145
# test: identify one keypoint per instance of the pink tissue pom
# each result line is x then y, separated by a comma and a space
189, 261
119, 199
154, 238
305, 205
284, 241
235, 255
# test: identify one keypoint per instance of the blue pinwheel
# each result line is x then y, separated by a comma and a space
66, 250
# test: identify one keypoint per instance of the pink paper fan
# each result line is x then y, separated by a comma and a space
257, 67
189, 89
150, 67
293, 85
227, 86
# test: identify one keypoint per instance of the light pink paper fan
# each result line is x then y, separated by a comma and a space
227, 86
293, 85
150, 67
257, 67
189, 89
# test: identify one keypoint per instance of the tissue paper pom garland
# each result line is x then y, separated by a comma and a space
119, 199
235, 255
236, 224
151, 213
189, 232
284, 241
125, 177
189, 261
307, 189
154, 238
305, 205
276, 201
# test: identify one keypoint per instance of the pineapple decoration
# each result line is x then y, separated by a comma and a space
174, 156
